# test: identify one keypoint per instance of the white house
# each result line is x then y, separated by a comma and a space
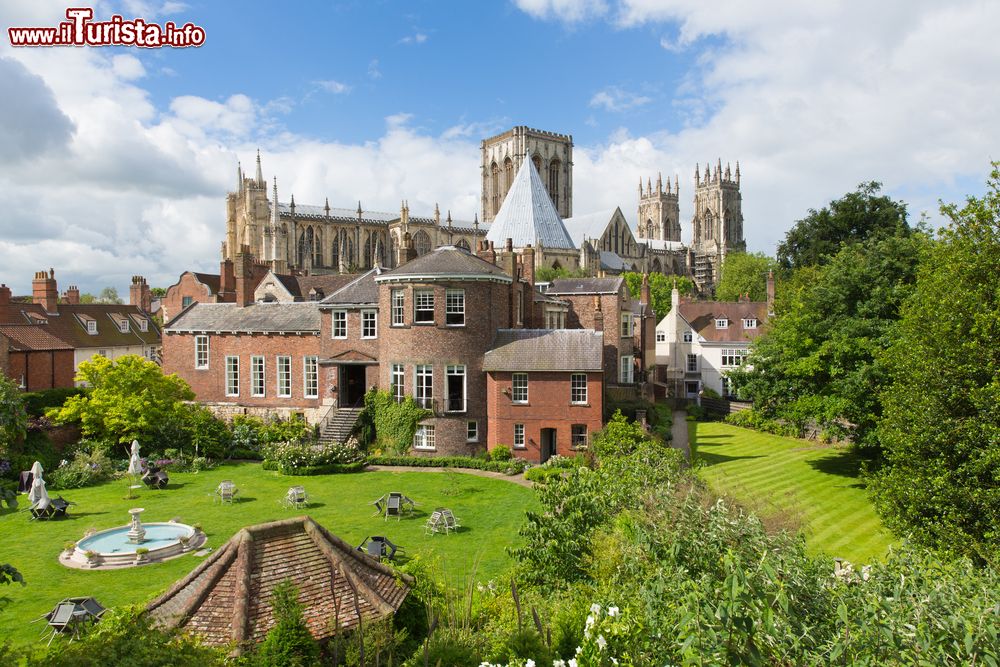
699, 341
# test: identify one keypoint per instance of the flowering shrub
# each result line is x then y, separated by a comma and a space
291, 456
86, 469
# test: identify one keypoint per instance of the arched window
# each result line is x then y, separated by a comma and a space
317, 248
554, 181
615, 246
495, 187
464, 245
305, 250
508, 175
656, 267
537, 160
335, 246
366, 259
556, 265
650, 230
421, 243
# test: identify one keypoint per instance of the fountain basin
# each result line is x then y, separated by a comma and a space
114, 548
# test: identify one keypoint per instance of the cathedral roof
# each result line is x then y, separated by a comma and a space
446, 262
589, 225
528, 216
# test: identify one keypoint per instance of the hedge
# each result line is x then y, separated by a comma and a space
512, 467
325, 469
37, 402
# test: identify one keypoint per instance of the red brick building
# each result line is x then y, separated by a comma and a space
35, 359
544, 390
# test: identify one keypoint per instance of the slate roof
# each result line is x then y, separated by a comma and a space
586, 285
361, 290
68, 323
589, 225
545, 350
528, 216
611, 261
30, 337
325, 285
445, 262
227, 597
701, 315
258, 317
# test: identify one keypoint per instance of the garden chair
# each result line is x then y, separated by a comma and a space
379, 505
394, 506
226, 492
378, 547
296, 497
435, 523
450, 522
64, 620
156, 479
59, 507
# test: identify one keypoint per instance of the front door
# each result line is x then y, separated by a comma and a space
352, 385
548, 444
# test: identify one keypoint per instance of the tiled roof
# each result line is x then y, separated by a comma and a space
27, 337
362, 290
545, 350
325, 285
586, 285
446, 262
226, 599
68, 323
528, 216
589, 225
701, 315
258, 317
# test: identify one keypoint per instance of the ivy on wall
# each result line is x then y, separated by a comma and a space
394, 423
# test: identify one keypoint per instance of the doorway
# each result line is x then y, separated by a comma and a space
352, 385
548, 448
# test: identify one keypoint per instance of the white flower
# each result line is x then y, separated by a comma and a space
595, 608
612, 611
572, 662
530, 663
614, 661
602, 643
558, 663
579, 650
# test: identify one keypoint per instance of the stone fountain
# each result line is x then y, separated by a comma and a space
136, 533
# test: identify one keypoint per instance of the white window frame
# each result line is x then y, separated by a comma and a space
123, 326
661, 336
456, 370
369, 317
626, 369
692, 363
578, 392
519, 394
688, 337
519, 440
310, 377
283, 363
749, 322
423, 393
398, 307
575, 441
721, 323
338, 323
733, 357
454, 305
626, 327
423, 302
424, 438
472, 431
199, 363
232, 375
92, 327
143, 325
397, 380
257, 378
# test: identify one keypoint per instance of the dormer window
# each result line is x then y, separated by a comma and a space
749, 322
123, 326
143, 325
91, 327
721, 323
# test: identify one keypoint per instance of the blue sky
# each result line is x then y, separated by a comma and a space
117, 160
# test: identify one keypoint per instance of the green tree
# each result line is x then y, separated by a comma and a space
13, 416
288, 643
109, 295
941, 430
818, 360
660, 287
129, 398
158, 292
745, 274
547, 274
851, 219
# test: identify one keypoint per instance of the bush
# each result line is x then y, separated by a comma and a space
541, 475
86, 469
289, 643
501, 453
512, 467
289, 457
37, 402
755, 420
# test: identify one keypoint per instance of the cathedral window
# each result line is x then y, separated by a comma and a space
508, 175
554, 181
495, 186
421, 243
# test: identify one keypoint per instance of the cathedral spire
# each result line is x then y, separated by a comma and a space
659, 183
239, 178
449, 217
260, 173
718, 170
326, 207
437, 215
677, 180
640, 186
291, 204
668, 184
737, 172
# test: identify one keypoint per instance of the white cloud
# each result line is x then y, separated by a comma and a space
331, 86
415, 38
127, 67
615, 99
373, 71
568, 11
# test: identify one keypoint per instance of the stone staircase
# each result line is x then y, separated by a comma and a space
338, 425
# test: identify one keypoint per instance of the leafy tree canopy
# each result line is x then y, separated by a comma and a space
547, 274
941, 430
817, 361
13, 416
127, 399
851, 219
109, 295
660, 287
744, 274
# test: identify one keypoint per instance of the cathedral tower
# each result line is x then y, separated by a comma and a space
503, 155
717, 223
659, 211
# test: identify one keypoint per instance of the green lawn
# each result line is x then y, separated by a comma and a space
814, 485
491, 511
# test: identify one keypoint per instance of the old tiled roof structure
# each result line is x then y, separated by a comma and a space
69, 323
361, 290
31, 337
209, 280
226, 599
446, 262
324, 285
701, 315
545, 350
585, 285
527, 215
255, 318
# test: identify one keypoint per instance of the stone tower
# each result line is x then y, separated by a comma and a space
659, 211
503, 155
248, 215
717, 223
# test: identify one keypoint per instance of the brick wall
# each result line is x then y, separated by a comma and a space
4, 356
188, 286
352, 350
548, 406
41, 369
582, 316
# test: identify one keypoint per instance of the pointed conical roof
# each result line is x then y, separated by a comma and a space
527, 215
226, 599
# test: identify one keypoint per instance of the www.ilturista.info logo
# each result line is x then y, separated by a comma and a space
80, 30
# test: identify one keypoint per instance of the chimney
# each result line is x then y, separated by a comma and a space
4, 295
598, 315
510, 259
406, 250
139, 294
644, 296
244, 277
675, 298
528, 262
43, 290
770, 293
487, 252
227, 280
72, 295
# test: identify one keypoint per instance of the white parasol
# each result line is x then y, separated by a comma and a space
36, 470
134, 465
38, 496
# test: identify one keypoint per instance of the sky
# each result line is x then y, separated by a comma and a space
115, 161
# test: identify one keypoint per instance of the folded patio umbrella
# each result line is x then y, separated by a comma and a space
36, 469
134, 465
38, 496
